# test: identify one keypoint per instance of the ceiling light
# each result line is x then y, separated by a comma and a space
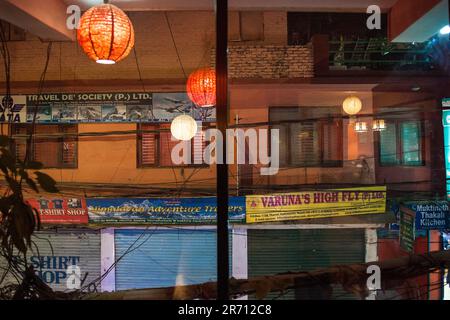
445, 30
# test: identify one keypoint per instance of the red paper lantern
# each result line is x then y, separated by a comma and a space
201, 87
106, 34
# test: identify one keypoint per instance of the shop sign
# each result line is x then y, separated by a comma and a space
432, 215
407, 230
101, 107
446, 102
162, 211
61, 210
13, 109
315, 204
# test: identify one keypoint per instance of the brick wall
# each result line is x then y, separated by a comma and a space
194, 37
270, 62
193, 33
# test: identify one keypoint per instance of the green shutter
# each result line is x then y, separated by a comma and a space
280, 251
388, 145
411, 143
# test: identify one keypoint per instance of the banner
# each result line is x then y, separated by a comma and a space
315, 204
101, 107
162, 211
61, 210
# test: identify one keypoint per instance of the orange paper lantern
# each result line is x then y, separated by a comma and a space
201, 87
106, 34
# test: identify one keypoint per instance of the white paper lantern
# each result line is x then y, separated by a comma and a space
352, 105
183, 127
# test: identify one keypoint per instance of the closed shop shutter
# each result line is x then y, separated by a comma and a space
53, 252
164, 258
280, 251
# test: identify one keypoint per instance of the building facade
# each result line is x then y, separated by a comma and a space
92, 137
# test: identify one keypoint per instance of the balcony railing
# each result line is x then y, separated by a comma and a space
379, 54
376, 56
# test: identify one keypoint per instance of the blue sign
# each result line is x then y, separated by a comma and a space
432, 215
162, 210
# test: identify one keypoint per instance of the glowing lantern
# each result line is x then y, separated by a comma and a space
183, 127
201, 87
361, 127
352, 105
378, 125
106, 34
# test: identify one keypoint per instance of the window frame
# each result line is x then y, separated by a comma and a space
157, 164
31, 154
323, 163
399, 142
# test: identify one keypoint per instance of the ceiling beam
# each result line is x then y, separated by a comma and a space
47, 20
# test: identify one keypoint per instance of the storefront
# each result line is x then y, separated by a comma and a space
167, 241
65, 257
311, 230
272, 251
58, 250
164, 257
418, 231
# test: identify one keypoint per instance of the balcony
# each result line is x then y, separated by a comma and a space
377, 56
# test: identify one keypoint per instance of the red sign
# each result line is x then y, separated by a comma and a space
61, 210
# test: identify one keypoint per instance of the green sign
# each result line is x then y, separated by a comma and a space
446, 124
407, 227
446, 102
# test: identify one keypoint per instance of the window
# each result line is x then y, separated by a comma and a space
401, 144
309, 137
12, 33
155, 148
53, 145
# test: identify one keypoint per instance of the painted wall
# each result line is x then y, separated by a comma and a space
112, 159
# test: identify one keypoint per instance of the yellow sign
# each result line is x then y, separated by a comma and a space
315, 204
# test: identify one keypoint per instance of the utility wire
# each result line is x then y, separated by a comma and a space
175, 45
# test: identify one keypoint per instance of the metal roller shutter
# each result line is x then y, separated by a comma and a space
164, 258
53, 252
280, 251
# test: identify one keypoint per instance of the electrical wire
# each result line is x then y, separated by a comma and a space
175, 45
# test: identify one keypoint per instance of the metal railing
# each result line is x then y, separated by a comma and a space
379, 54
